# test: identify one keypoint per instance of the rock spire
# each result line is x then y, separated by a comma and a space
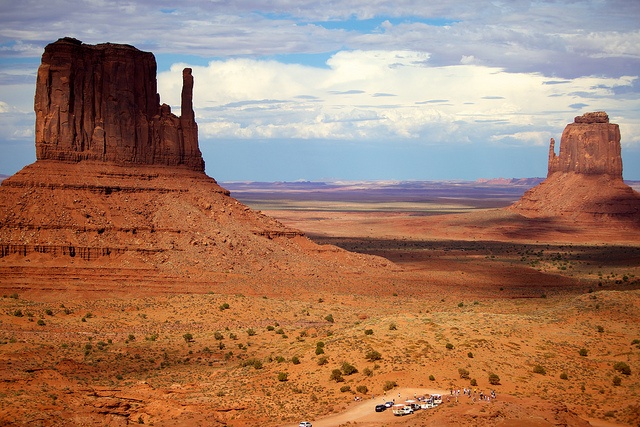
100, 102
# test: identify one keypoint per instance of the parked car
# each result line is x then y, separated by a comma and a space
389, 404
305, 424
380, 408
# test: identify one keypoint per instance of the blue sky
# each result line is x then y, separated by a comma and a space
316, 90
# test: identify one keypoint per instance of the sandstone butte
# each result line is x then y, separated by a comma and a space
119, 183
584, 182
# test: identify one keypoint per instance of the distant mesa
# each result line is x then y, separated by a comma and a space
584, 181
100, 102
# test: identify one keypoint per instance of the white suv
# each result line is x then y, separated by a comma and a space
305, 424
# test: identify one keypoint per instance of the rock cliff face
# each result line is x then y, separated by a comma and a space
101, 103
590, 145
584, 182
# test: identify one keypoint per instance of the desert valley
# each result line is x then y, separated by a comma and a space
138, 290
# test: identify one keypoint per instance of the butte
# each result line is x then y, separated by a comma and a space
117, 202
584, 182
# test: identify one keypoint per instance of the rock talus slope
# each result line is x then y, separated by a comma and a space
584, 182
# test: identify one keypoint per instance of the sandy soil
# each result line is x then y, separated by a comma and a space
550, 308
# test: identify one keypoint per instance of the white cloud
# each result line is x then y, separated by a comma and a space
246, 98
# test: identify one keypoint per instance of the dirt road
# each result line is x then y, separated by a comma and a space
364, 411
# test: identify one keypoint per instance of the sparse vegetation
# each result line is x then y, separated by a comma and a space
623, 368
538, 369
464, 373
389, 385
494, 379
373, 355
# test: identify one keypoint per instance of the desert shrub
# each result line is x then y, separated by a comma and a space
449, 346
283, 376
367, 372
131, 337
323, 361
280, 359
538, 369
373, 355
49, 312
41, 322
218, 335
362, 389
336, 375
464, 374
583, 352
473, 382
564, 376
256, 363
622, 367
329, 318
388, 385
600, 328
345, 388
348, 368
494, 379
251, 332
224, 306
460, 304
319, 350
393, 327
18, 313
617, 381
188, 337
295, 360
233, 336
368, 331
271, 328
280, 331
432, 378
14, 295
470, 355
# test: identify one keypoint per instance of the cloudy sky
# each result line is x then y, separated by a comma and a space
358, 89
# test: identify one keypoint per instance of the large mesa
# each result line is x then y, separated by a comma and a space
100, 102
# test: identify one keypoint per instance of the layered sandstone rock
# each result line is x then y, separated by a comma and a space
101, 103
590, 145
584, 181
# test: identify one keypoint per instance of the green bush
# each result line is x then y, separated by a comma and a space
539, 370
367, 372
564, 376
41, 322
348, 368
295, 360
494, 379
373, 355
622, 367
473, 382
362, 389
218, 335
470, 355
323, 361
617, 381
319, 350
329, 318
464, 374
345, 388
256, 363
283, 376
336, 375
449, 346
188, 337
583, 352
251, 332
224, 306
388, 385
392, 326
432, 378
368, 331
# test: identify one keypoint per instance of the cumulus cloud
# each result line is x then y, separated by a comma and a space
248, 98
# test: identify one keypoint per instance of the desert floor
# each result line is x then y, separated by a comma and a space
552, 310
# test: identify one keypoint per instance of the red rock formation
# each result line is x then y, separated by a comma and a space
590, 146
101, 103
584, 181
